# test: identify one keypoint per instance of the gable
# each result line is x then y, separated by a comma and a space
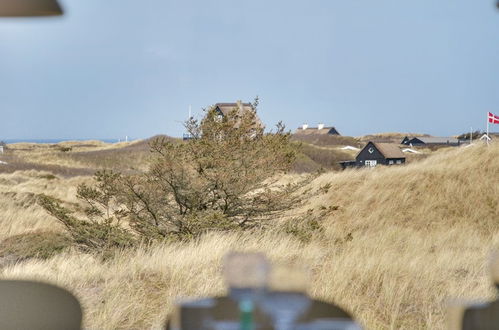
369, 152
333, 131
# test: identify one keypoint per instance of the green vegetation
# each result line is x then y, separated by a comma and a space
216, 181
389, 244
91, 235
41, 245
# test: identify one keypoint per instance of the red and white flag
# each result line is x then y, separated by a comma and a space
493, 118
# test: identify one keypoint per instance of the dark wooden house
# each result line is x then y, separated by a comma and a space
375, 153
380, 154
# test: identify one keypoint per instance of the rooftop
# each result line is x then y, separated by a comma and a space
435, 139
389, 150
240, 107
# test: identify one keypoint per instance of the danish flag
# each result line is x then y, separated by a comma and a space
493, 118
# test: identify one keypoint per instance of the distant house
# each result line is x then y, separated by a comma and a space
380, 153
430, 141
223, 109
375, 153
321, 129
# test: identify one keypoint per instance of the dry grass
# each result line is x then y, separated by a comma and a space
313, 158
76, 158
390, 137
18, 211
402, 241
326, 140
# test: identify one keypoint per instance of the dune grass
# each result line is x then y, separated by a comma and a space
395, 244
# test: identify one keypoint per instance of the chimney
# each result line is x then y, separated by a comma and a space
320, 126
304, 126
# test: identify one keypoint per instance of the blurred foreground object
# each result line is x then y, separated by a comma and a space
261, 296
485, 316
35, 305
494, 267
246, 275
29, 8
477, 316
223, 313
454, 314
286, 299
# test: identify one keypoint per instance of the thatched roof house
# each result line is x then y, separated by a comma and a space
225, 108
319, 130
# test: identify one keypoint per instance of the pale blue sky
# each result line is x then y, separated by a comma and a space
120, 67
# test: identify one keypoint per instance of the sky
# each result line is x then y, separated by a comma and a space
116, 68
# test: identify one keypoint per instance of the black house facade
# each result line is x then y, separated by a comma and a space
406, 140
374, 154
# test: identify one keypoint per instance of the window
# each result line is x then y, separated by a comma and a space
370, 163
390, 162
399, 161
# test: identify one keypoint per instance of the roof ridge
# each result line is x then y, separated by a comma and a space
388, 150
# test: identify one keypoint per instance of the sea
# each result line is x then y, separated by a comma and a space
52, 141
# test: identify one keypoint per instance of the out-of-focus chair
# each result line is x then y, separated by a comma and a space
37, 306
482, 317
191, 315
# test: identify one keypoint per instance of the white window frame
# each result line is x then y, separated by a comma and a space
370, 163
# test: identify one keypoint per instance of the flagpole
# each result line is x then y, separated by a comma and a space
488, 129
